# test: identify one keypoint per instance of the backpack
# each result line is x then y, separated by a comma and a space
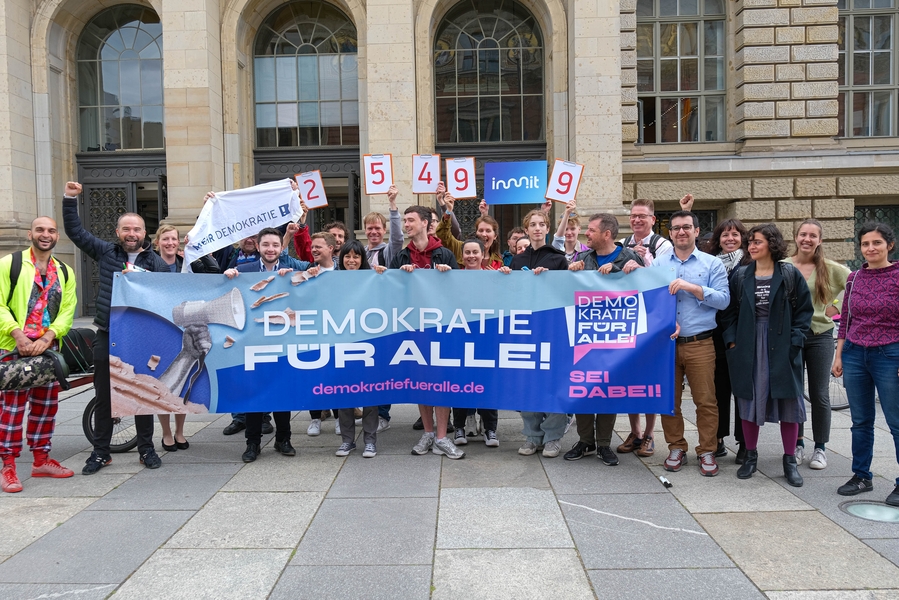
739, 276
16, 270
654, 240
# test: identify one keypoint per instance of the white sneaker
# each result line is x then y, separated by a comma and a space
424, 445
315, 427
552, 449
460, 439
528, 448
445, 447
490, 439
819, 460
370, 451
800, 454
337, 427
383, 424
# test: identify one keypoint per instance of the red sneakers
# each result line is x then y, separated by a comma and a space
9, 480
51, 468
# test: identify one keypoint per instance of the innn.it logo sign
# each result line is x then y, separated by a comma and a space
515, 182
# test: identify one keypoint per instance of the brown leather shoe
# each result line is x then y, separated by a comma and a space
630, 444
648, 447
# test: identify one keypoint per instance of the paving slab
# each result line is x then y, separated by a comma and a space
24, 520
676, 584
42, 591
412, 582
155, 492
390, 476
374, 531
77, 486
841, 595
484, 513
93, 547
668, 537
493, 467
216, 574
489, 574
249, 520
307, 472
726, 493
590, 476
126, 462
772, 549
207, 452
886, 547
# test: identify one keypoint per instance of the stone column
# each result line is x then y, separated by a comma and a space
786, 70
629, 120
192, 85
17, 177
390, 85
594, 100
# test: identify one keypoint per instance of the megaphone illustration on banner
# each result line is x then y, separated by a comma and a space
195, 317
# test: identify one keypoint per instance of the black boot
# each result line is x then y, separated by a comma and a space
251, 453
791, 471
741, 453
750, 462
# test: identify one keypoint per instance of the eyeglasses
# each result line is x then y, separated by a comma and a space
641, 217
684, 228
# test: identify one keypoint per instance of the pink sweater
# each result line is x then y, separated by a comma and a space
872, 312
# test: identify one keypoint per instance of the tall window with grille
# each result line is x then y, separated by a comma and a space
680, 70
867, 72
306, 77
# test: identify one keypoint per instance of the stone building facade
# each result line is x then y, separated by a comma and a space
766, 110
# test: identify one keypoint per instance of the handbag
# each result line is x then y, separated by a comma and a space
27, 372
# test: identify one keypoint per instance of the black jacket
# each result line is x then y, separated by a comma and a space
110, 257
788, 325
546, 256
622, 259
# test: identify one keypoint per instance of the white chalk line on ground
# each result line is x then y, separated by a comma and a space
70, 592
608, 514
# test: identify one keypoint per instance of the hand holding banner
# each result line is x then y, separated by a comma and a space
378, 173
460, 178
425, 173
312, 190
564, 181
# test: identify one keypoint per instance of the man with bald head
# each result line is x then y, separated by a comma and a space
134, 248
37, 305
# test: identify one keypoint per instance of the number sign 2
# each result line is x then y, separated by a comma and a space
312, 190
460, 178
425, 173
378, 170
564, 181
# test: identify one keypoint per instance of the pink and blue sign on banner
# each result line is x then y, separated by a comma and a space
557, 342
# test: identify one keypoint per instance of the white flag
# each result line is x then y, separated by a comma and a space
232, 216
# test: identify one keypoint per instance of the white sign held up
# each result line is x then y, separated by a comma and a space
378, 173
425, 173
564, 181
312, 190
460, 177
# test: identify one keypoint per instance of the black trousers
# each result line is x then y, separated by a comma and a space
489, 416
103, 413
723, 392
253, 431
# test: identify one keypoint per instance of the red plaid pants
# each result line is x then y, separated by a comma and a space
44, 402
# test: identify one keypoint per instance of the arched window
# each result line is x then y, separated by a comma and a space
306, 77
120, 80
488, 73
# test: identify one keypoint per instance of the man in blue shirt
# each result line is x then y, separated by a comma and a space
702, 290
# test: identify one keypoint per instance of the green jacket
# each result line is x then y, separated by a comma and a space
22, 294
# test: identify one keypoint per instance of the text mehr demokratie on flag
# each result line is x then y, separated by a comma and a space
555, 342
235, 215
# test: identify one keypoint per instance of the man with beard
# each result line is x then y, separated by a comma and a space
37, 305
134, 248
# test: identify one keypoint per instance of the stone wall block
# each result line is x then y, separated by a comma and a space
823, 90
790, 72
762, 55
814, 15
814, 127
867, 185
774, 187
821, 34
702, 189
764, 17
789, 3
627, 193
840, 251
790, 109
629, 59
819, 2
628, 95
756, 110
789, 35
755, 74
833, 208
839, 229
754, 36
756, 4
628, 22
763, 129
822, 71
810, 187
815, 53
822, 108
629, 132
628, 77
758, 210
793, 209
763, 91
628, 40
629, 114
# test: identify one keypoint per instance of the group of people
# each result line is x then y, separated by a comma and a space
750, 322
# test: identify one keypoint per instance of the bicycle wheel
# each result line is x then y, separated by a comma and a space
124, 434
838, 398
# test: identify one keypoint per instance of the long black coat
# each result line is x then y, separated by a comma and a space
787, 330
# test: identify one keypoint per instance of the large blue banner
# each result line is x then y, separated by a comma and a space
554, 342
